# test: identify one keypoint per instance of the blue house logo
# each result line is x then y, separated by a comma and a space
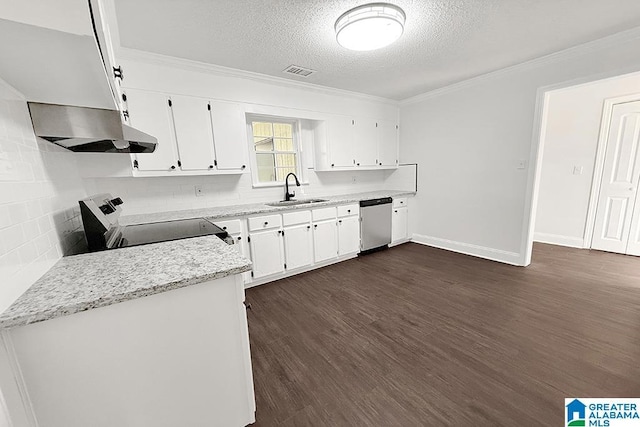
576, 413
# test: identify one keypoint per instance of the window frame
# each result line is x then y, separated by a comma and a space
297, 145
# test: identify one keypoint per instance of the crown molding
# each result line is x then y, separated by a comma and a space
595, 45
203, 67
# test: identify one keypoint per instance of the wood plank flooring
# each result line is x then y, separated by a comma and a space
421, 336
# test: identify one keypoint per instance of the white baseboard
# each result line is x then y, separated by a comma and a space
557, 239
512, 258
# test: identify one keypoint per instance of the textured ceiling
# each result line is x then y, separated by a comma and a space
444, 41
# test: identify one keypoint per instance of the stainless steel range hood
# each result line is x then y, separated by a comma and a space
58, 56
83, 129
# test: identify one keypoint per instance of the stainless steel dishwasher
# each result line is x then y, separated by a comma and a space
375, 224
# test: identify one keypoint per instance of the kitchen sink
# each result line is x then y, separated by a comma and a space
295, 202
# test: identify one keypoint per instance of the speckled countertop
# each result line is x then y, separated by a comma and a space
98, 279
220, 212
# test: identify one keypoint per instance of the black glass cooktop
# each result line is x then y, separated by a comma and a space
142, 234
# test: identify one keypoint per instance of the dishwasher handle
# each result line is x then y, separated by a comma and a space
375, 202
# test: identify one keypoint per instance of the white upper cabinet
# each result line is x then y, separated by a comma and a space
341, 143
387, 143
193, 133
229, 135
150, 113
366, 142
346, 143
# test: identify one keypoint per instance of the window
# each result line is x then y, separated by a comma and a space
275, 149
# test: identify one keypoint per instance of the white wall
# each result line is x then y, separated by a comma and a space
39, 193
570, 140
470, 137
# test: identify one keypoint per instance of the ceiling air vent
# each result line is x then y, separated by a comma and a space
298, 71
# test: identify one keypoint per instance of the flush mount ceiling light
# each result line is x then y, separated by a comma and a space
370, 26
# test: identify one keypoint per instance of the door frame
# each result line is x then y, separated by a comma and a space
598, 169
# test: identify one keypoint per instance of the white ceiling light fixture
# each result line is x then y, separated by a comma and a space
370, 26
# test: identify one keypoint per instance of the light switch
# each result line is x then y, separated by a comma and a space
577, 170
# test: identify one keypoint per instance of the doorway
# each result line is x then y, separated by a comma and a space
577, 124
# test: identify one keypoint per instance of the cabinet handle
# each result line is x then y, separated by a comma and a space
239, 237
333, 164
315, 225
243, 166
348, 210
173, 167
340, 221
396, 211
357, 164
210, 166
308, 227
224, 228
279, 231
266, 223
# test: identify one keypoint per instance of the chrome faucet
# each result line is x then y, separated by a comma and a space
288, 196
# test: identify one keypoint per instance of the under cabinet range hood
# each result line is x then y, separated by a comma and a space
59, 57
83, 129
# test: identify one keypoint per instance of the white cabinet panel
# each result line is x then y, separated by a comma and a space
325, 240
150, 113
348, 235
193, 132
229, 134
264, 222
366, 142
267, 253
399, 224
298, 245
340, 139
387, 143
323, 213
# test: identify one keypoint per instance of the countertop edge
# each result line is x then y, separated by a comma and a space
115, 299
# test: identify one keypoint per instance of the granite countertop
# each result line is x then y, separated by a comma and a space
231, 211
83, 282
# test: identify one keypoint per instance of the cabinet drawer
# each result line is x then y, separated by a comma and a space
399, 202
348, 210
324, 213
294, 218
265, 222
233, 226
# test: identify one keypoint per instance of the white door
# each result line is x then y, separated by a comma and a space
193, 132
348, 235
325, 240
387, 143
150, 112
399, 224
267, 253
341, 142
298, 246
366, 142
229, 134
619, 185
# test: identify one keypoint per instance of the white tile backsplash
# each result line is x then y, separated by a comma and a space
39, 192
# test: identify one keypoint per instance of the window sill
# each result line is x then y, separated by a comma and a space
276, 184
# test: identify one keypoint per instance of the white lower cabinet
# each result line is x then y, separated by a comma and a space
348, 235
298, 246
267, 252
325, 240
399, 224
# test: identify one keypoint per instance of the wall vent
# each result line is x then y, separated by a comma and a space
298, 71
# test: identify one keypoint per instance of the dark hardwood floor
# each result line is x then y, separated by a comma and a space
421, 336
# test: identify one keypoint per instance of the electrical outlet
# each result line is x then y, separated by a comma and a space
354, 179
577, 170
522, 164
199, 192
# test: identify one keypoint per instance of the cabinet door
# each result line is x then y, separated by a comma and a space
267, 253
229, 134
340, 139
193, 132
366, 142
325, 240
348, 235
399, 224
387, 143
150, 112
298, 246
